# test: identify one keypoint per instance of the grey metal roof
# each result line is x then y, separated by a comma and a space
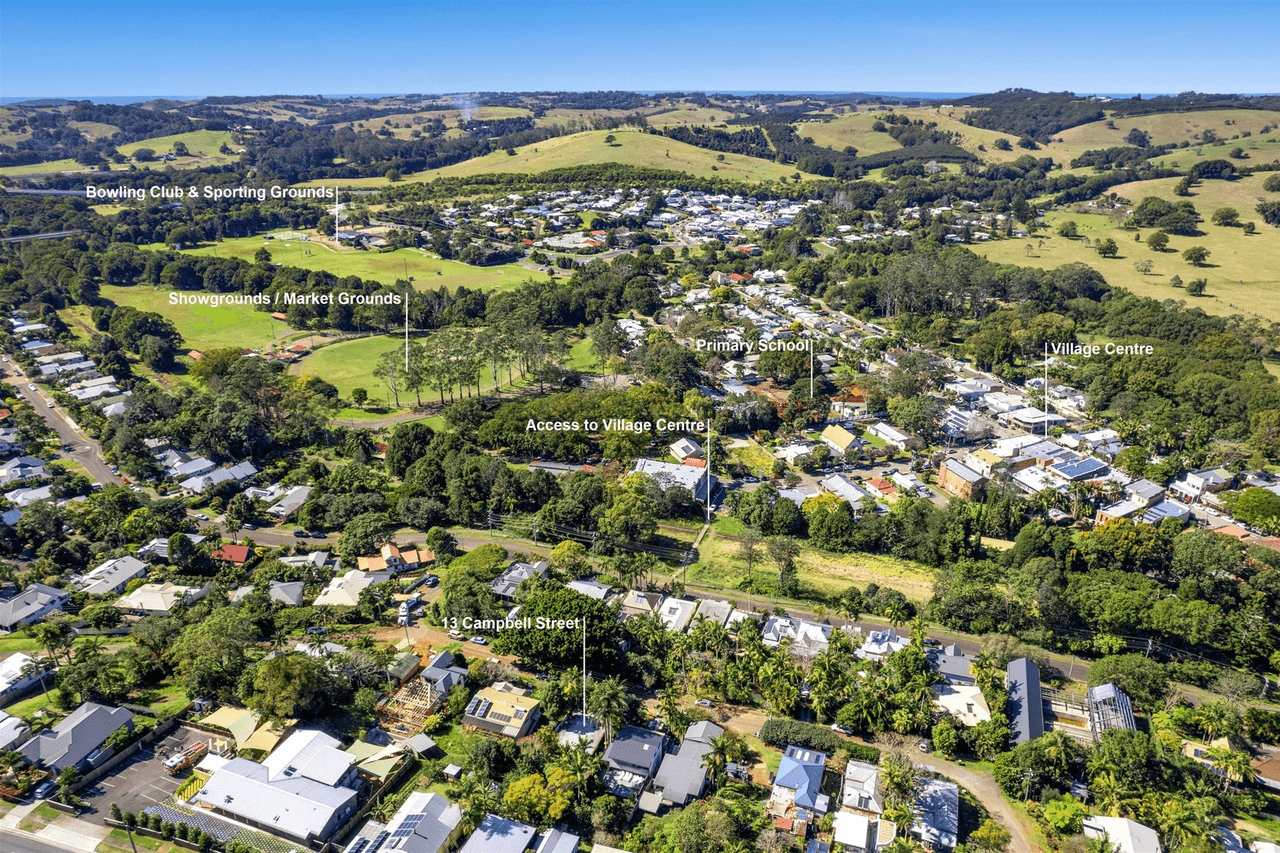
499, 835
1026, 703
635, 749
682, 775
423, 824
75, 738
26, 604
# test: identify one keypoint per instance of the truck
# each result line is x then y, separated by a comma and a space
175, 764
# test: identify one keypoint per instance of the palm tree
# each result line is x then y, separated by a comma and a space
1109, 795
609, 704
579, 761
1234, 766
1059, 749
896, 612
33, 668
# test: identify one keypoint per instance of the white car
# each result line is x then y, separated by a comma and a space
49, 404
201, 516
31, 387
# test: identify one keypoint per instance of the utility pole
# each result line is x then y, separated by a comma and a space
708, 469
406, 333
810, 368
1046, 389
584, 670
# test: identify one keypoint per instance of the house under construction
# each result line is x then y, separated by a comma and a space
407, 710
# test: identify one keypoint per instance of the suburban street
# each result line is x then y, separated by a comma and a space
21, 842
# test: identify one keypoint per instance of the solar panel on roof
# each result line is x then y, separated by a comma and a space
359, 846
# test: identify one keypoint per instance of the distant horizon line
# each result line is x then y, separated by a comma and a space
922, 95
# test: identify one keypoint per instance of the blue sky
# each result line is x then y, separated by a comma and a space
66, 48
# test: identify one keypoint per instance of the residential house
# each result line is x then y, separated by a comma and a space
288, 593
839, 439
289, 503
936, 811
13, 731
304, 790
807, 638
112, 576
667, 474
20, 469
677, 613
893, 436
859, 791
797, 787
1109, 708
425, 823
345, 589
158, 548
960, 480
1124, 835
15, 677
153, 599
404, 667
505, 585
1026, 702
391, 559
236, 555
682, 776
964, 702
880, 644
442, 674
30, 605
591, 588
632, 759
952, 664
500, 835
503, 709
713, 611
636, 603
78, 741
1194, 485
847, 490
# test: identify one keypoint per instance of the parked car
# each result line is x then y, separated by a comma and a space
45, 790
300, 534
841, 729
201, 516
317, 534
925, 745
703, 703
248, 526
316, 629
480, 641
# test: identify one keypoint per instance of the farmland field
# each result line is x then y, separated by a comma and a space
386, 267
647, 150
1243, 272
852, 129
201, 143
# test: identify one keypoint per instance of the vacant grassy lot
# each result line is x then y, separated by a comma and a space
1243, 272
689, 114
386, 267
720, 566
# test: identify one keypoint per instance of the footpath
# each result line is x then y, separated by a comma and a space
64, 831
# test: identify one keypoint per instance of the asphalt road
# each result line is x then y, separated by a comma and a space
17, 842
87, 451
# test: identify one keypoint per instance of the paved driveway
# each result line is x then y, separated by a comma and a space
141, 780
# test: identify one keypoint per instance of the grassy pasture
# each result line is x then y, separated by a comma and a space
1243, 272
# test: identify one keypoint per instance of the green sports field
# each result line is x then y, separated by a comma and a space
386, 267
201, 326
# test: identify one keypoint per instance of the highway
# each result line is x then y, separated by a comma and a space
48, 235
